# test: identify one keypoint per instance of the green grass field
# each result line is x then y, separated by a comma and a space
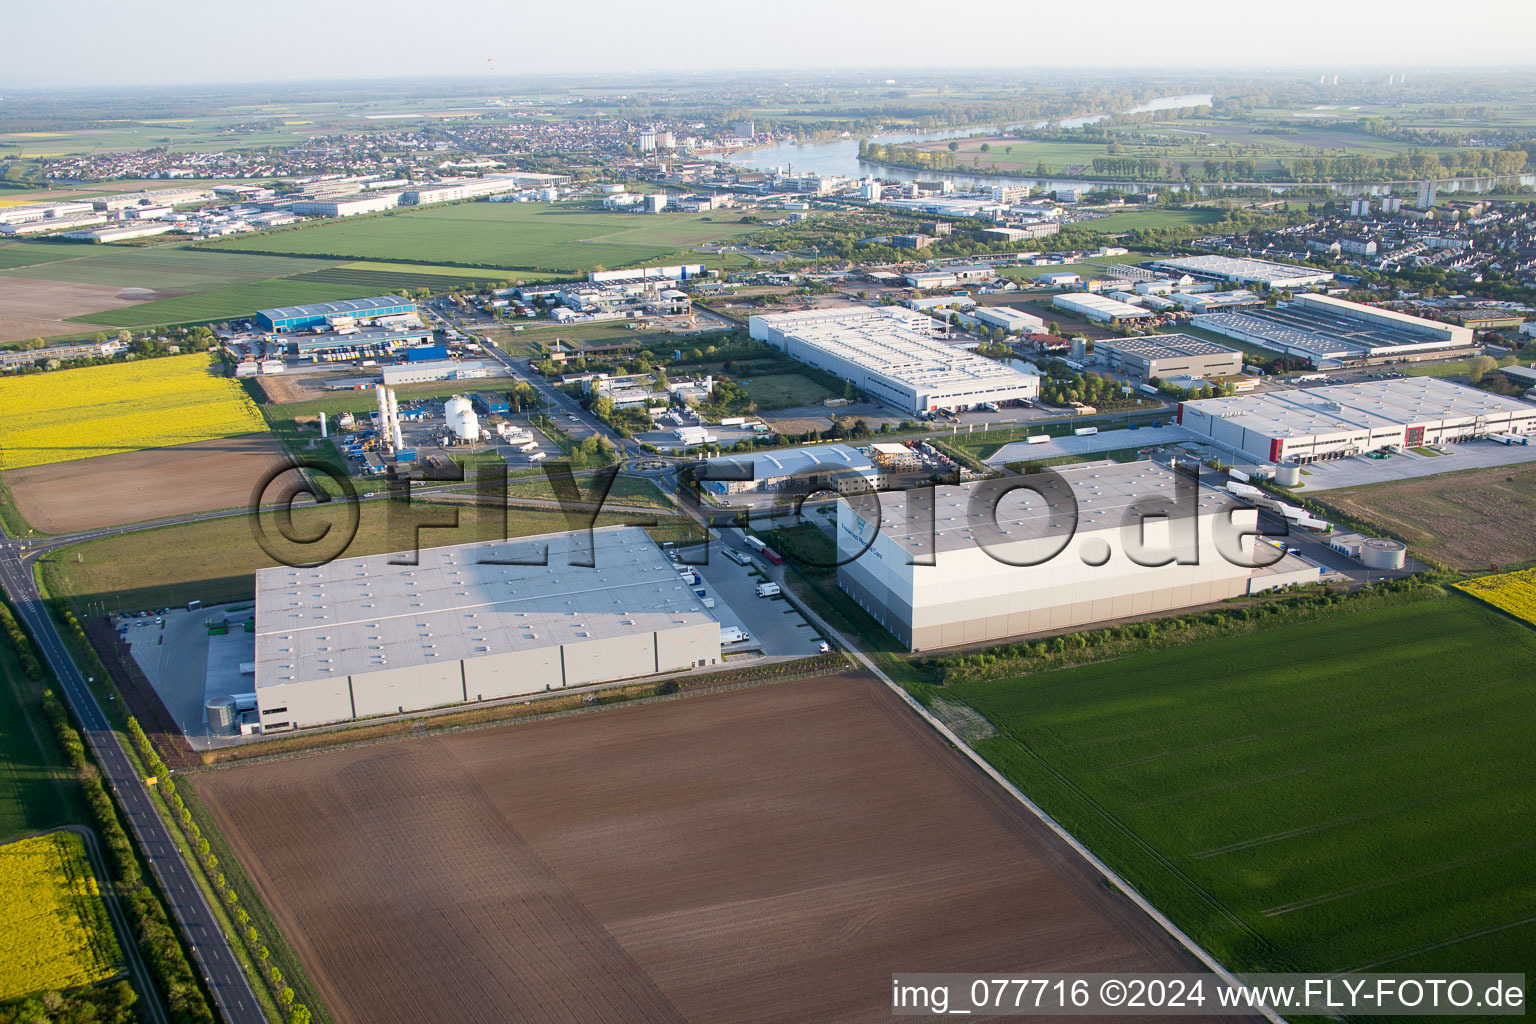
786, 391
1115, 223
26, 254
626, 490
1344, 794
173, 267
37, 790
238, 300
514, 236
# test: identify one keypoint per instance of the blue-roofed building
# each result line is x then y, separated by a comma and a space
298, 318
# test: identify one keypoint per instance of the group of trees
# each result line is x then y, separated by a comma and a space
626, 421
144, 346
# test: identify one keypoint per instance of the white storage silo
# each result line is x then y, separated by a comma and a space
1288, 474
462, 421
1383, 553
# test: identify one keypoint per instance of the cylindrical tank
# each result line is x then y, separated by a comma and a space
1382, 553
221, 715
1288, 474
461, 418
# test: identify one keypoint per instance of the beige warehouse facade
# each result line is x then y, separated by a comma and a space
1104, 562
363, 637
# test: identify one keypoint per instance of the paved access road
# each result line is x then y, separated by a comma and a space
210, 949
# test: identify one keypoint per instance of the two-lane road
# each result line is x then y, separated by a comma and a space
210, 949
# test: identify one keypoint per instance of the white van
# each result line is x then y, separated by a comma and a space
768, 590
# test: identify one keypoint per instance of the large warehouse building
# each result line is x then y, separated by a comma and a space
1169, 355
1322, 328
891, 354
1098, 307
361, 636
1243, 271
837, 467
971, 594
1352, 419
298, 318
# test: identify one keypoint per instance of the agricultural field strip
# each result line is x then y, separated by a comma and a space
54, 928
119, 407
1447, 864
1511, 592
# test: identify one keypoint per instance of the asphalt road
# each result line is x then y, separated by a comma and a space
211, 952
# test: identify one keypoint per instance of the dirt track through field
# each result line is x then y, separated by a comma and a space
772, 854
110, 490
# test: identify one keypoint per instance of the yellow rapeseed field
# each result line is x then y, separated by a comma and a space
119, 407
1513, 592
54, 932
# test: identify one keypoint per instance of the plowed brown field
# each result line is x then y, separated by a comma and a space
110, 490
771, 854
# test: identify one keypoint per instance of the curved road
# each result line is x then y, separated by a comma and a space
211, 952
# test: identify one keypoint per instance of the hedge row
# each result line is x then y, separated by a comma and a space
20, 642
157, 937
297, 1013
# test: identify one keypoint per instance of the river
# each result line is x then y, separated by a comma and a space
840, 157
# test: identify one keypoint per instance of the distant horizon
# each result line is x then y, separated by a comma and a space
1177, 77
175, 43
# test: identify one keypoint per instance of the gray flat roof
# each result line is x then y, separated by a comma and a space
826, 457
336, 308
1164, 346
1406, 401
359, 615
1106, 495
1240, 268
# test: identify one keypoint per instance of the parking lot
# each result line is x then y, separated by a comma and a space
187, 667
1361, 469
777, 629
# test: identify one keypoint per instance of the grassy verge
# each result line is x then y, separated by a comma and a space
15, 523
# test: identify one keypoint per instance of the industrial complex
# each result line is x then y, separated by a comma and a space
1353, 419
892, 354
1245, 271
1169, 355
989, 582
1098, 307
369, 636
1322, 328
328, 314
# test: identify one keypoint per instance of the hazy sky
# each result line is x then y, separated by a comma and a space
132, 42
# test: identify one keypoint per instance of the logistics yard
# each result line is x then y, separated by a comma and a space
601, 867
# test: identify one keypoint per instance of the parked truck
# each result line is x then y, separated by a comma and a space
756, 544
768, 590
